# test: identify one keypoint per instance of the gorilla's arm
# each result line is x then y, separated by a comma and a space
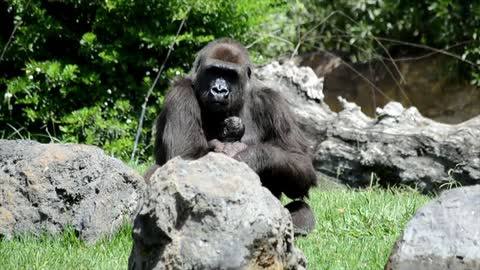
281, 157
179, 125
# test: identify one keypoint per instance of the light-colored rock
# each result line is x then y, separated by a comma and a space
211, 213
46, 187
444, 234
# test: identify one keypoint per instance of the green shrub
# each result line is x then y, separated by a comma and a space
79, 70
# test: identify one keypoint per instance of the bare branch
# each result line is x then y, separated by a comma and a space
10, 39
301, 40
426, 47
363, 77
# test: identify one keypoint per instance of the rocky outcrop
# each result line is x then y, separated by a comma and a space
211, 213
47, 187
400, 146
444, 234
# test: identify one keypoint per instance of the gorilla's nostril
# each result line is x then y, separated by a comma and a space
219, 91
224, 92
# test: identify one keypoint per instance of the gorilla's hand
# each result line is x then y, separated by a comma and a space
232, 149
216, 146
228, 148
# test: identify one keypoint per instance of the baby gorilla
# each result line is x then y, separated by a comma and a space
230, 134
232, 129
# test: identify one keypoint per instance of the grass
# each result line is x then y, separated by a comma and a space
355, 230
65, 251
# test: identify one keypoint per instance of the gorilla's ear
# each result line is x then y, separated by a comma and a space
249, 72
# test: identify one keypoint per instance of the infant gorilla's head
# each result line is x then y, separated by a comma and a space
232, 129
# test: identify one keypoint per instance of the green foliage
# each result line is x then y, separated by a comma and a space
79, 70
369, 29
110, 126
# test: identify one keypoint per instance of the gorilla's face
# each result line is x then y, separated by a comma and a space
220, 86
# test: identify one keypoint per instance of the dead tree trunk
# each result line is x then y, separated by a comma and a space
399, 147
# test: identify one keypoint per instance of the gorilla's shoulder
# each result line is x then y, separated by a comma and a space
180, 93
182, 82
266, 95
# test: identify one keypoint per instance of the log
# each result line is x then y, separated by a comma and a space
398, 147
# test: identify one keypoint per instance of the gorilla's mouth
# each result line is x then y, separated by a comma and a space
218, 101
217, 105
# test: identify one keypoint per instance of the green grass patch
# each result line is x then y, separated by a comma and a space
65, 251
355, 230
140, 168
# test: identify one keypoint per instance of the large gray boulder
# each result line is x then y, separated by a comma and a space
211, 213
47, 187
444, 234
399, 146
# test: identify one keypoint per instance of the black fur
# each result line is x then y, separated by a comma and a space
275, 147
179, 125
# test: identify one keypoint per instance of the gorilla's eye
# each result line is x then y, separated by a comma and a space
249, 72
228, 74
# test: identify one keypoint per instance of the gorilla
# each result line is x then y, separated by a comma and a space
221, 106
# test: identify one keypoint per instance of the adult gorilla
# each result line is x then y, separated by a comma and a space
221, 85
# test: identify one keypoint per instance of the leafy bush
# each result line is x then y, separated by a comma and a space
79, 70
370, 29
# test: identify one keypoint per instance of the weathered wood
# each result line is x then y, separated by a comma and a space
400, 146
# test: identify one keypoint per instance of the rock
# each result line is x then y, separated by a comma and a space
211, 213
400, 146
444, 234
46, 187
